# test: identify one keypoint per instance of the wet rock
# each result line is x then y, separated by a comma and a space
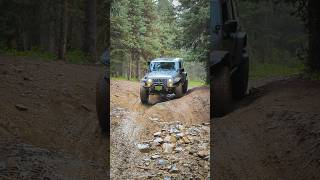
203, 153
157, 134
155, 156
174, 130
146, 159
21, 107
166, 178
178, 149
180, 135
144, 147
174, 169
167, 148
158, 141
162, 162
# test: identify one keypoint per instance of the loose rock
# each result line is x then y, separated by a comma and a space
21, 107
167, 148
144, 148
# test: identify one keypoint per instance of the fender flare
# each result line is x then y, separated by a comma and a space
218, 57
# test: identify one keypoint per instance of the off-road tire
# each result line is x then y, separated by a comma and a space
144, 95
185, 87
179, 91
102, 103
240, 79
221, 96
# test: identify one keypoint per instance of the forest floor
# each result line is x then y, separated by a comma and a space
49, 128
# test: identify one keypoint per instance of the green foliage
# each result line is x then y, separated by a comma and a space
192, 84
194, 23
76, 56
266, 70
33, 53
142, 30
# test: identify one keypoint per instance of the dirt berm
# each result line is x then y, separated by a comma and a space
48, 122
273, 134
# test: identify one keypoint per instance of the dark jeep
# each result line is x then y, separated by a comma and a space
229, 61
164, 76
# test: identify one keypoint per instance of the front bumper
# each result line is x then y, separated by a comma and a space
160, 88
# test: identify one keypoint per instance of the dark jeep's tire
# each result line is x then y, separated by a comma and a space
185, 87
179, 91
102, 103
221, 96
144, 95
240, 79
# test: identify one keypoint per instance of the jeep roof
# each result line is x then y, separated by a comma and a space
167, 60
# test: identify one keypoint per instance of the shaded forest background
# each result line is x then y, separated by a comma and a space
277, 40
283, 35
142, 30
72, 30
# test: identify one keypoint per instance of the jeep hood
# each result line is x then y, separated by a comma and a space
161, 74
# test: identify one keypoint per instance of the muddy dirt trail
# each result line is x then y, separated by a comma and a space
48, 123
167, 139
273, 134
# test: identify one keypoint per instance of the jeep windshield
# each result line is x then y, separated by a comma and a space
162, 66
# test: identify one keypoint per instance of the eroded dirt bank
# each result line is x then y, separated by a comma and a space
167, 139
48, 123
274, 134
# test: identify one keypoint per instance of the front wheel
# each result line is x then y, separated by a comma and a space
144, 95
102, 103
240, 79
185, 87
221, 97
179, 91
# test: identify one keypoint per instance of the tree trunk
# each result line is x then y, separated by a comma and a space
63, 30
137, 67
314, 35
91, 29
129, 68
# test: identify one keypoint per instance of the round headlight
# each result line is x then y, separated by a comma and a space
170, 82
149, 82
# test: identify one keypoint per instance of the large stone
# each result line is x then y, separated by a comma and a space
174, 169
185, 140
167, 148
144, 147
158, 141
157, 134
203, 153
170, 139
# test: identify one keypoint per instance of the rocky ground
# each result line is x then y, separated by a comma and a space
168, 139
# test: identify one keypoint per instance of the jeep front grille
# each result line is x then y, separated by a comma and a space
160, 81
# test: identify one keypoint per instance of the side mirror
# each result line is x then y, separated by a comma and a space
230, 26
148, 69
181, 70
